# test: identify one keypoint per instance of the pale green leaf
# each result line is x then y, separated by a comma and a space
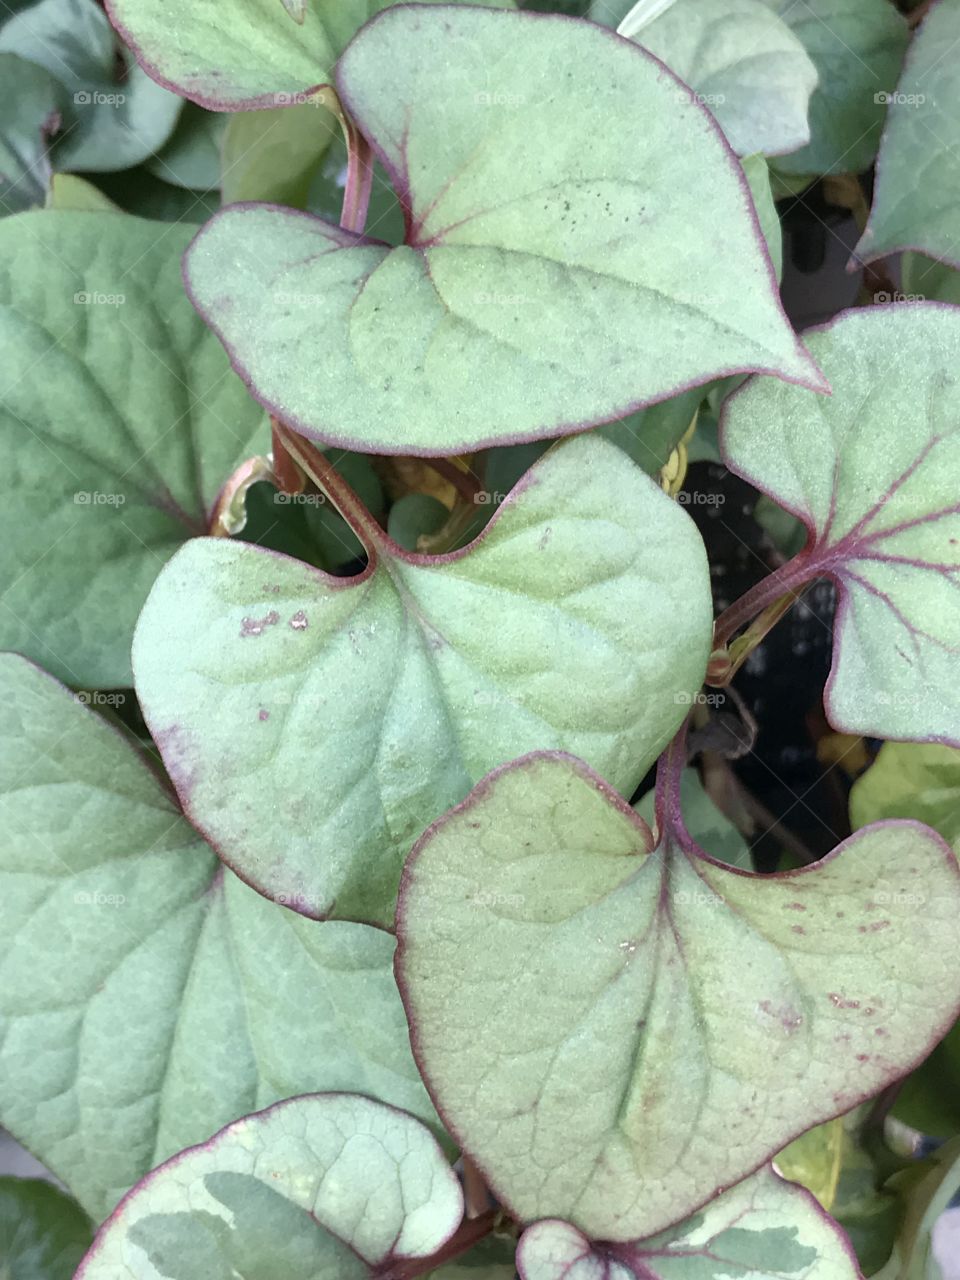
329, 1187
119, 419
231, 55
916, 200
566, 278
43, 1233
147, 997
857, 47
31, 110
580, 619
273, 155
763, 1229
873, 472
740, 61
115, 115
616, 1035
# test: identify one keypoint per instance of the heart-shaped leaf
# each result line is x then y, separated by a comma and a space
873, 472
231, 55
117, 116
175, 998
373, 703
566, 277
857, 47
43, 1233
742, 62
329, 1187
916, 200
762, 1229
119, 419
614, 1035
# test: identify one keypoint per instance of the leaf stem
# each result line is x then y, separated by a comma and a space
326, 477
356, 195
470, 1231
769, 599
465, 483
667, 808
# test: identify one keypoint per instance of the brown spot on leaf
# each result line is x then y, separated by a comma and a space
255, 626
840, 1002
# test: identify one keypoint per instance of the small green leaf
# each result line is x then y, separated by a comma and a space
928, 1192
872, 472
413, 515
116, 116
650, 436
191, 156
579, 619
43, 1233
833, 1163
567, 278
69, 191
757, 173
119, 420
857, 47
31, 111
763, 1229
925, 279
231, 55
273, 155
922, 781
916, 201
175, 998
492, 1259
596, 1022
329, 1187
708, 826
742, 62
911, 780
